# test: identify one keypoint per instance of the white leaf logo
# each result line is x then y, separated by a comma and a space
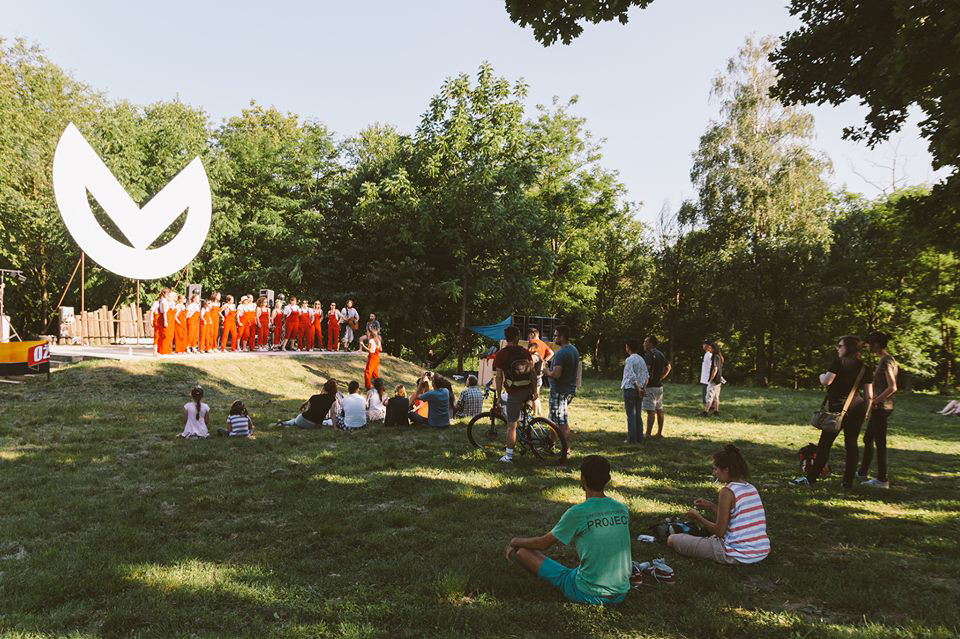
77, 169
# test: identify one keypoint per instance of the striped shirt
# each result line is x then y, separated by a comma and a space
239, 425
746, 538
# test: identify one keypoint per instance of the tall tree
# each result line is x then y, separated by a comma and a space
762, 198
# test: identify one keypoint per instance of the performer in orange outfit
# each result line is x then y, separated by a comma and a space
291, 322
263, 324
333, 328
205, 326
276, 323
167, 322
245, 323
193, 324
180, 334
229, 313
306, 325
251, 317
316, 331
214, 320
371, 343
155, 318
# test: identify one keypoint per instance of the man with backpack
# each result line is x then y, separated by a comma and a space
513, 369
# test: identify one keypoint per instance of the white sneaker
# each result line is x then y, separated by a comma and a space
876, 483
507, 458
800, 481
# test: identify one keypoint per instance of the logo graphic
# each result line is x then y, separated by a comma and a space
78, 169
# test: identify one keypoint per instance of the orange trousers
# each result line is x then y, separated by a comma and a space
166, 332
316, 335
193, 331
292, 328
372, 371
277, 330
229, 330
305, 331
156, 331
333, 336
180, 334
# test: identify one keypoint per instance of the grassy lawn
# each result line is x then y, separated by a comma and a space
111, 527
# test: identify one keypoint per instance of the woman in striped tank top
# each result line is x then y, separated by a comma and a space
739, 536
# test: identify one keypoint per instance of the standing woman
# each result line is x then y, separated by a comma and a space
306, 325
193, 324
291, 323
243, 323
884, 386
263, 324
844, 379
214, 320
276, 321
155, 317
371, 344
711, 402
205, 318
316, 331
333, 328
180, 334
229, 313
167, 322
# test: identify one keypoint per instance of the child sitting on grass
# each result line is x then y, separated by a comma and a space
239, 423
196, 416
739, 536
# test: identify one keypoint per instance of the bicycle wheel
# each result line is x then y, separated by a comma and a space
488, 431
545, 440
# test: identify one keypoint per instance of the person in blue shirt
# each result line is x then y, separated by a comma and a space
438, 405
599, 526
562, 373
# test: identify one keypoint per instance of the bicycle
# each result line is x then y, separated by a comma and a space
541, 436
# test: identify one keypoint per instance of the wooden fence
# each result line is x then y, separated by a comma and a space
126, 324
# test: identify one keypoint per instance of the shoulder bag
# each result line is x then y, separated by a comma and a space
833, 422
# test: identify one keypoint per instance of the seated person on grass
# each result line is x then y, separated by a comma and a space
438, 404
599, 526
353, 409
239, 423
739, 536
316, 409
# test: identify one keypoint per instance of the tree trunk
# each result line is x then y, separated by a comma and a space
463, 325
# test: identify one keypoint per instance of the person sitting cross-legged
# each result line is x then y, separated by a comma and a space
471, 399
600, 528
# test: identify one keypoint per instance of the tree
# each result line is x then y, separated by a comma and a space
764, 202
561, 20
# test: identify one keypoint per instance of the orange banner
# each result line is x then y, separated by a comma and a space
24, 358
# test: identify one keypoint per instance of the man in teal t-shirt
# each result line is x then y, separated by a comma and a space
600, 528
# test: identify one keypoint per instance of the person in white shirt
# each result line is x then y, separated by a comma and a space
196, 416
347, 314
377, 402
635, 376
193, 324
288, 322
155, 316
306, 324
705, 368
354, 409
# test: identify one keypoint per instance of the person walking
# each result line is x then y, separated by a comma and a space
884, 387
659, 368
711, 403
844, 379
562, 373
705, 369
635, 378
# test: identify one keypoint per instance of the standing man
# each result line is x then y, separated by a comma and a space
334, 318
635, 378
533, 336
705, 369
351, 320
659, 369
513, 369
562, 372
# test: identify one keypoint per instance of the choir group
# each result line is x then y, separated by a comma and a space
202, 326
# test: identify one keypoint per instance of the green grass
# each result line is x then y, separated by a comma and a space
111, 527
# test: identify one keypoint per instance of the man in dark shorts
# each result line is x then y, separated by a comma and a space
600, 528
513, 368
659, 368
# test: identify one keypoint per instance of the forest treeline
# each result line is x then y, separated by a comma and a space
488, 208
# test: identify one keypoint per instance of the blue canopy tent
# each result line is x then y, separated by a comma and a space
493, 331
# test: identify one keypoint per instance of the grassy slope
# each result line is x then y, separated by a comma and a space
111, 527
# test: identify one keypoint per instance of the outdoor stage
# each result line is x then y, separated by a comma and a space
123, 353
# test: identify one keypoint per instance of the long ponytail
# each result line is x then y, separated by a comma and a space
197, 395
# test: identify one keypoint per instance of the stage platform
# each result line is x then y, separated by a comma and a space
72, 354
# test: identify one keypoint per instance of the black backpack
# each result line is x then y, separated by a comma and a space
808, 457
518, 372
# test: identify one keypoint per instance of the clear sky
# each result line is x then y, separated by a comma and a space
643, 87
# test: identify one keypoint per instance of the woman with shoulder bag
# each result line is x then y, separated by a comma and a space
844, 379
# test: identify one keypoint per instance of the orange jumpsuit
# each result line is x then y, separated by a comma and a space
316, 331
263, 314
229, 329
213, 325
167, 329
333, 331
306, 330
180, 335
372, 370
156, 330
193, 330
277, 321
